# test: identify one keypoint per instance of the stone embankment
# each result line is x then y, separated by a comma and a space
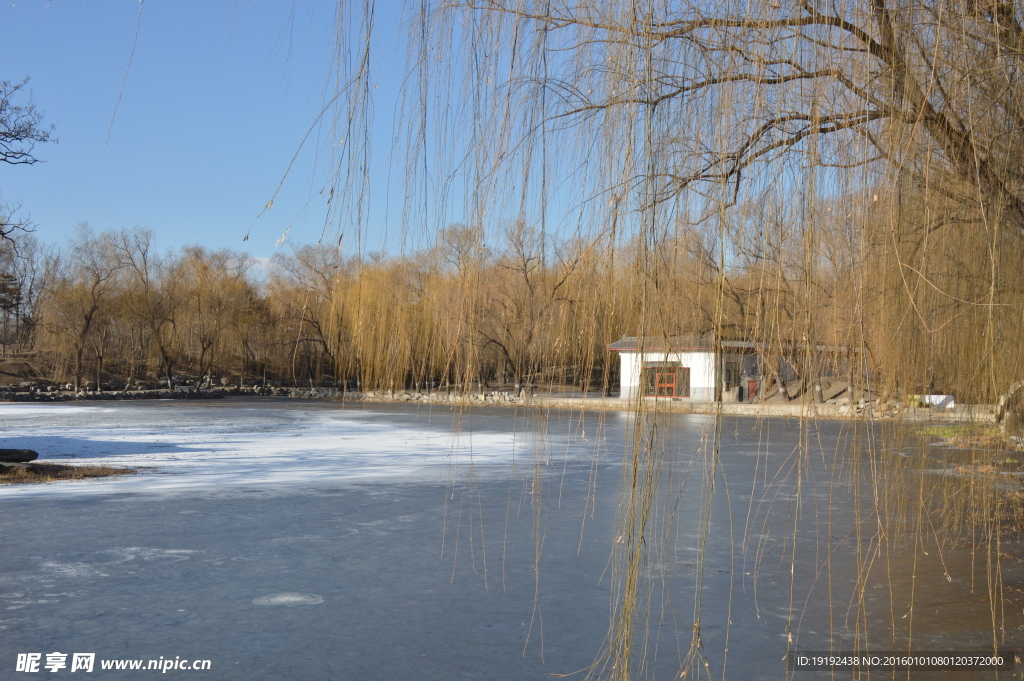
35, 394
506, 398
863, 409
870, 410
68, 396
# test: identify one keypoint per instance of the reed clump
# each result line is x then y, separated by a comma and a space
971, 436
51, 472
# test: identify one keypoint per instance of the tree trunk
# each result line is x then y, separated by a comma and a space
78, 368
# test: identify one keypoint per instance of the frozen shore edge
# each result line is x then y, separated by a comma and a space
976, 413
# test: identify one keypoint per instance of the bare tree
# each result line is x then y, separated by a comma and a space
75, 306
21, 128
156, 297
215, 291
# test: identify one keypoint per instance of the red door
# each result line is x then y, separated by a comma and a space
665, 383
753, 387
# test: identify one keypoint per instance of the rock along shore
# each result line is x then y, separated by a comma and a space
870, 410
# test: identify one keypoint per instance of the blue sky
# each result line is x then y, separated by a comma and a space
216, 102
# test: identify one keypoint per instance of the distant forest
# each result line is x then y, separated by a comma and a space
512, 309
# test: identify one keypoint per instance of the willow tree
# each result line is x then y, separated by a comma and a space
789, 172
905, 114
932, 87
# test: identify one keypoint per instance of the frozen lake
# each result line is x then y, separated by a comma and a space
218, 446
300, 540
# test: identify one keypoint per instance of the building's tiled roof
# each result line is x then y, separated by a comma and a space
705, 341
691, 341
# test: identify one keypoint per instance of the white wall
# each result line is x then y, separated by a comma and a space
701, 364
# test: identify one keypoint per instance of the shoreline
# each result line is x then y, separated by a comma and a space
976, 413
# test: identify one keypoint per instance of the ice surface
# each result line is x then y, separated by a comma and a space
289, 598
402, 561
216, 446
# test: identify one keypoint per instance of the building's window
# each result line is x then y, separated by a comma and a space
667, 381
732, 374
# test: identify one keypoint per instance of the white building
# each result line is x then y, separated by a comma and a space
685, 367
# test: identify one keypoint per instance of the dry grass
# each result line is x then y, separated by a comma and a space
50, 472
1013, 513
976, 469
972, 436
13, 372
